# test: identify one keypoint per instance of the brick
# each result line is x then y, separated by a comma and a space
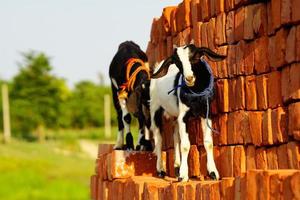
240, 93
203, 161
274, 89
279, 125
166, 19
190, 191
239, 19
272, 158
229, 5
173, 22
222, 95
294, 120
262, 95
290, 53
252, 186
122, 164
286, 11
261, 55
195, 12
255, 123
194, 161
280, 49
293, 152
270, 29
204, 37
212, 8
282, 157
223, 120
239, 164
295, 185
226, 157
231, 61
220, 34
105, 149
239, 187
170, 192
167, 133
186, 36
285, 84
295, 81
162, 50
276, 17
211, 33
151, 54
250, 157
154, 31
248, 23
267, 136
169, 46
298, 43
261, 158
183, 19
195, 131
151, 189
230, 27
205, 12
227, 188
249, 58
219, 6
260, 19
93, 186
240, 62
197, 34
170, 162
208, 190
222, 65
251, 94
295, 11
118, 188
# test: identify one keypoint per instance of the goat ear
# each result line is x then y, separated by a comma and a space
210, 54
163, 70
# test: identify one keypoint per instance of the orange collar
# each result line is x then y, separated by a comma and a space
130, 79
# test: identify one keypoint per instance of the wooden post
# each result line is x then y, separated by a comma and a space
107, 116
6, 115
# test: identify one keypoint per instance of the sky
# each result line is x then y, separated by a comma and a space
80, 36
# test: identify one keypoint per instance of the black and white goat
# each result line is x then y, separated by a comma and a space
189, 78
129, 74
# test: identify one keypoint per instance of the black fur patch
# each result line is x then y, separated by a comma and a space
129, 141
127, 118
158, 117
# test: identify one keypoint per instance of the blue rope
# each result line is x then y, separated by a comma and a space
206, 93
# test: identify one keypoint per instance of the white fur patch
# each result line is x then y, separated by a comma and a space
114, 82
183, 55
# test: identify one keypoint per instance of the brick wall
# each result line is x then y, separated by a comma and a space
256, 106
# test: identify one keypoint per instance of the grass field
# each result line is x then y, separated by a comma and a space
56, 169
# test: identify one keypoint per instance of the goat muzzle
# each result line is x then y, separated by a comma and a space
190, 81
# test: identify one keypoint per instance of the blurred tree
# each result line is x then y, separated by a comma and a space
36, 96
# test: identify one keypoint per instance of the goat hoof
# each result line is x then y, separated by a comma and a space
177, 174
179, 179
161, 174
212, 175
138, 147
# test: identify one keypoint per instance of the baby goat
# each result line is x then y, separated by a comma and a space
189, 78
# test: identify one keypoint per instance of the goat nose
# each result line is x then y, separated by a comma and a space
190, 81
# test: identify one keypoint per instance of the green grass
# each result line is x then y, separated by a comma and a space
55, 169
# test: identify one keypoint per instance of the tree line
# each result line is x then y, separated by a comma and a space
38, 99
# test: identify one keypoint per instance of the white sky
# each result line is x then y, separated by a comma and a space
80, 36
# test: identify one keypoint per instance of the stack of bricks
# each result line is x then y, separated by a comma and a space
256, 107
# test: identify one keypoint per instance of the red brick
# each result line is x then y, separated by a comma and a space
186, 36
229, 5
269, 19
151, 189
118, 188
261, 158
251, 97
294, 120
250, 158
252, 186
261, 55
203, 161
231, 61
286, 11
190, 191
240, 93
194, 161
267, 136
240, 187
195, 131
212, 8
295, 81
222, 65
219, 6
239, 19
239, 164
227, 188
195, 12
272, 158
293, 152
223, 120
226, 157
249, 58
183, 18
240, 62
170, 192
174, 30
290, 53
222, 94
166, 19
255, 123
280, 48
205, 12
208, 190
151, 53
170, 162
169, 46
295, 11
231, 128
105, 149
279, 125
220, 34
285, 84
248, 23
230, 28
197, 34
260, 20
298, 43
162, 50
93, 186
204, 37
276, 17
282, 157
167, 133
154, 31
211, 33
261, 88
274, 89
295, 185
243, 127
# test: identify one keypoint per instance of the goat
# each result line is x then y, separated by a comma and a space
129, 75
190, 78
